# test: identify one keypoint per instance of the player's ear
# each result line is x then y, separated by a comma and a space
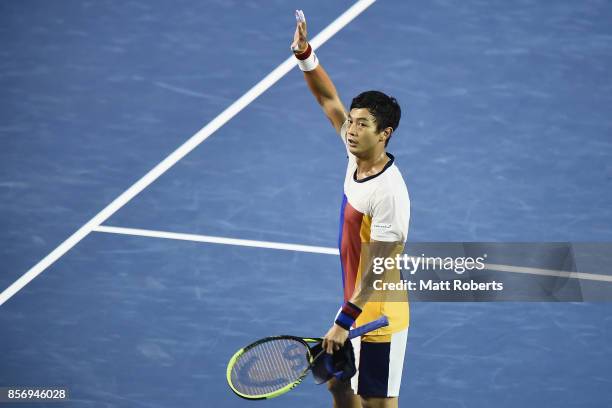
385, 134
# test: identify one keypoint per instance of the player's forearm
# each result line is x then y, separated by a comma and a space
363, 292
360, 298
351, 309
321, 85
317, 79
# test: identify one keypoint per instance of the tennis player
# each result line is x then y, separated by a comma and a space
374, 219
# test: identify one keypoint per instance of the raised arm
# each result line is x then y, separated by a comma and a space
317, 79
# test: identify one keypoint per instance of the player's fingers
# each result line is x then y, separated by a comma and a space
302, 30
299, 16
331, 347
296, 40
301, 23
325, 345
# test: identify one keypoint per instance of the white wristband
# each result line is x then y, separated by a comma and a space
307, 60
309, 63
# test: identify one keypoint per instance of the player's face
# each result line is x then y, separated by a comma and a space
362, 136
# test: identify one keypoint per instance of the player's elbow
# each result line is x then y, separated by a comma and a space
334, 110
326, 101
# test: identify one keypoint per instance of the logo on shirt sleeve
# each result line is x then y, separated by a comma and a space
381, 227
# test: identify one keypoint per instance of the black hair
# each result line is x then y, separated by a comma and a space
384, 108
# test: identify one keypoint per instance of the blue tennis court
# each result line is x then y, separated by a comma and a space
505, 137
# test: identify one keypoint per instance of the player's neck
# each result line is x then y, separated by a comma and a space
371, 165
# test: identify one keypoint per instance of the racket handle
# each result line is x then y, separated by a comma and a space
368, 327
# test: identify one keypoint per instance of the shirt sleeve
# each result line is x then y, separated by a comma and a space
388, 218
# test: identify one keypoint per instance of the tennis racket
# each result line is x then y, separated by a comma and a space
272, 366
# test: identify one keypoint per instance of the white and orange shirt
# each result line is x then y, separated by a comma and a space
374, 208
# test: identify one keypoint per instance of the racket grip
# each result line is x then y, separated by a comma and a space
368, 327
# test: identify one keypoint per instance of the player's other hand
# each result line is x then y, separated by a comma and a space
334, 339
300, 38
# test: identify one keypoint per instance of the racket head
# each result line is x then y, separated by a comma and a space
269, 367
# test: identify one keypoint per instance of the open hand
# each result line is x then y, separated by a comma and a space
300, 39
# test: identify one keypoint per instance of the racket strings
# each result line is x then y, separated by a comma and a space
269, 366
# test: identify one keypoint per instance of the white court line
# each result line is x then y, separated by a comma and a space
549, 272
329, 251
217, 240
183, 150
